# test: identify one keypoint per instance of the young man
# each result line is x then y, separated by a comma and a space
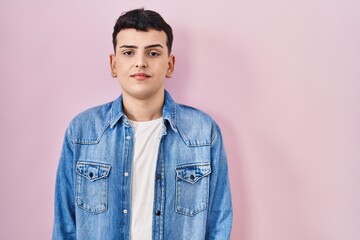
142, 167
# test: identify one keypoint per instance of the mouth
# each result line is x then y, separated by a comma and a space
140, 76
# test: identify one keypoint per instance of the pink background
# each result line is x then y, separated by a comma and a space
282, 78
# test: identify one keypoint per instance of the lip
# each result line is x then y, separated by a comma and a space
140, 76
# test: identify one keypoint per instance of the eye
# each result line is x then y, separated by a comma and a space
128, 52
153, 54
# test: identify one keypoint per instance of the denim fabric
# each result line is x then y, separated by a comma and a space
93, 186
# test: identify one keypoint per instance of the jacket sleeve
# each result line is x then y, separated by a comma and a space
64, 221
220, 207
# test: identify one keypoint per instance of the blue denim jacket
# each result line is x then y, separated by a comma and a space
93, 187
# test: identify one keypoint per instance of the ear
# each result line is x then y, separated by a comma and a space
171, 65
113, 65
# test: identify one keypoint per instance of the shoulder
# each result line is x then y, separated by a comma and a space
93, 114
87, 125
195, 126
185, 113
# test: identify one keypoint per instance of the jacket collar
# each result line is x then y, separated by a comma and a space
169, 111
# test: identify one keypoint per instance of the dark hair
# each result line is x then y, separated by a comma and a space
142, 20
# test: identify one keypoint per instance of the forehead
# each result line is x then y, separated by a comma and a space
140, 38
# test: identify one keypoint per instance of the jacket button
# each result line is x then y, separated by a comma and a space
157, 213
192, 177
158, 176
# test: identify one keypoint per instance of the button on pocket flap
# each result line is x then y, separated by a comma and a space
93, 171
192, 173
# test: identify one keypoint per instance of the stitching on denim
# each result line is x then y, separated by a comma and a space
216, 133
200, 164
83, 161
174, 112
184, 168
201, 206
162, 203
112, 112
105, 167
183, 137
192, 143
98, 207
114, 120
92, 141
187, 211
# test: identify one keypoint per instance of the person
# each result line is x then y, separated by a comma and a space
142, 167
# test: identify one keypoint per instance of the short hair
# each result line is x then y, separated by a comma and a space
142, 20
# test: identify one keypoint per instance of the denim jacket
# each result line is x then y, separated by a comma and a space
192, 197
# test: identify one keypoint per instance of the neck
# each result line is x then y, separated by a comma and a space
142, 110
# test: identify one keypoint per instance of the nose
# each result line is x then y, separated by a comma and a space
141, 62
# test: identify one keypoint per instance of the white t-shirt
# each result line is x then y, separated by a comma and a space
147, 137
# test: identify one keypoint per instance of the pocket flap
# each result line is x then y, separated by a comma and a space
192, 173
93, 171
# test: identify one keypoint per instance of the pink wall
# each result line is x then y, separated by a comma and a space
282, 78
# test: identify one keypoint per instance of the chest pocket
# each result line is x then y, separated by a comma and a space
192, 188
92, 186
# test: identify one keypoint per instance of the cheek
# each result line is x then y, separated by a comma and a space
121, 66
162, 67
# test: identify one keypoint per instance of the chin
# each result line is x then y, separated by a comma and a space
142, 94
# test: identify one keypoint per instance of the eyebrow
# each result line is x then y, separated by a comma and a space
146, 47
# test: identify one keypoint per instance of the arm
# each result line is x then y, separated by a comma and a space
220, 207
64, 222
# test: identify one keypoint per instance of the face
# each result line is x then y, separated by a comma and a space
141, 63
